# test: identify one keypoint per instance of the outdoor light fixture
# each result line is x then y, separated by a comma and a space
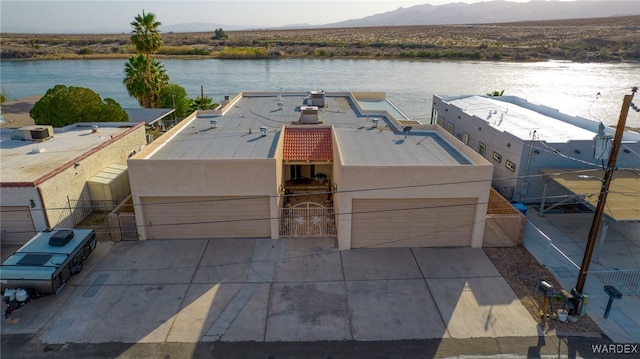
263, 130
375, 122
76, 165
32, 203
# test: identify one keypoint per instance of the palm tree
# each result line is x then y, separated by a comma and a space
202, 103
145, 34
144, 78
144, 75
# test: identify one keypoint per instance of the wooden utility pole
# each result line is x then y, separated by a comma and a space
604, 191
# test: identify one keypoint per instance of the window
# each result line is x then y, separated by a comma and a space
510, 165
497, 157
296, 172
441, 121
465, 138
450, 128
482, 149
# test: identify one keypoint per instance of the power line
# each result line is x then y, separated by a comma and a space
370, 189
474, 203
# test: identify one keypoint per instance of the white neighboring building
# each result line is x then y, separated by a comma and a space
47, 173
520, 138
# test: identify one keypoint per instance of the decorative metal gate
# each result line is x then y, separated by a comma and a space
307, 219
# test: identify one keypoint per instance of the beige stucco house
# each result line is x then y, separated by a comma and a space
47, 173
346, 165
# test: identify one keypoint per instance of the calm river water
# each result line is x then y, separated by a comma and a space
569, 87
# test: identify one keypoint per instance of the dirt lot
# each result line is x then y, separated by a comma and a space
16, 112
602, 39
523, 273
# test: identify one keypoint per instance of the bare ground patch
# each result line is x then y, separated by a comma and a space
601, 39
523, 273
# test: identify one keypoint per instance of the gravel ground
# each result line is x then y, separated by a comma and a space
16, 112
523, 273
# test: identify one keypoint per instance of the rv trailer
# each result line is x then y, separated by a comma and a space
45, 263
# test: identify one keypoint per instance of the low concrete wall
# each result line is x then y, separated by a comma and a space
505, 225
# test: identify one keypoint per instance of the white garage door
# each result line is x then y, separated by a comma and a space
419, 222
16, 225
206, 217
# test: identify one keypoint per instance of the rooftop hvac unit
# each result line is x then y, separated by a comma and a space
309, 114
40, 134
37, 133
317, 98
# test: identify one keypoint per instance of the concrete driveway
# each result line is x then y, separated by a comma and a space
266, 290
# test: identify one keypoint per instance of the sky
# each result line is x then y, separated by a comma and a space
47, 16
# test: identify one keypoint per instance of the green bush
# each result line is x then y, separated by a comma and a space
198, 51
219, 34
175, 96
62, 106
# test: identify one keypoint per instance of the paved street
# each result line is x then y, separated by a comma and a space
517, 347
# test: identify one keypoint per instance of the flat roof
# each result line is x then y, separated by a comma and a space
236, 133
624, 191
28, 161
381, 146
520, 121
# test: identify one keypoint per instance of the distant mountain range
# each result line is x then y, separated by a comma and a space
494, 12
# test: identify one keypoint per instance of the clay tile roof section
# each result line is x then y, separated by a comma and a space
307, 144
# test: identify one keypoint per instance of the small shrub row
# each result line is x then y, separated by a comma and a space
183, 50
438, 55
243, 53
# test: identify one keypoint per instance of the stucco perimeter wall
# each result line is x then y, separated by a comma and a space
506, 220
472, 181
378, 96
70, 182
210, 178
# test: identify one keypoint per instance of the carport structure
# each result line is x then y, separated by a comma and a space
584, 186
